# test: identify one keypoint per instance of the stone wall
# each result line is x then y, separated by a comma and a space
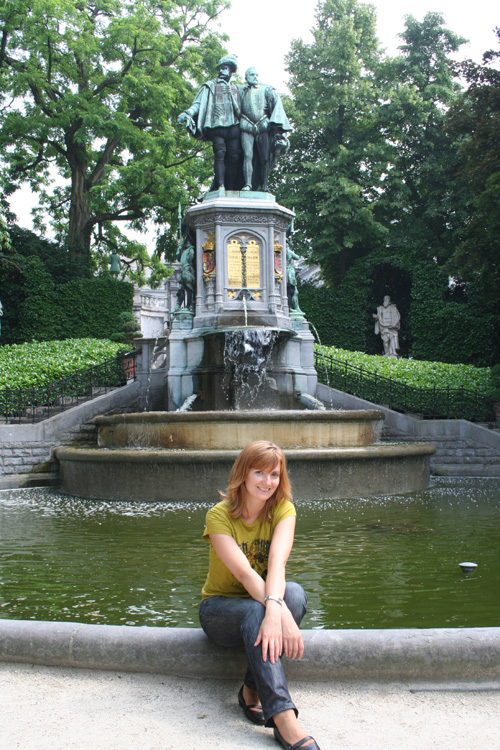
26, 450
462, 448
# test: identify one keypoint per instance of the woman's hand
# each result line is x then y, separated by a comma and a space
293, 645
270, 633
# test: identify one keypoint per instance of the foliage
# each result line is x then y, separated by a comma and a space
415, 372
494, 387
371, 149
475, 122
42, 302
334, 168
128, 329
438, 321
33, 364
420, 202
91, 90
335, 311
5, 239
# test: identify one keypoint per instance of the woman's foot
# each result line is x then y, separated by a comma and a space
290, 734
250, 702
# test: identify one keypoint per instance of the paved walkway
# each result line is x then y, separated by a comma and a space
52, 708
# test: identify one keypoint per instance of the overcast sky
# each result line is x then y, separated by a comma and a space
261, 32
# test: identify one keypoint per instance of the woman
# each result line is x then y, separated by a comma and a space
245, 598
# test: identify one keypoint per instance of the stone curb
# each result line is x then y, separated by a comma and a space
468, 655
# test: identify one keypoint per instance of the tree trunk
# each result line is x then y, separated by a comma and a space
80, 218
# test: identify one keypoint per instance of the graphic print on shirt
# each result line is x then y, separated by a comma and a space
257, 553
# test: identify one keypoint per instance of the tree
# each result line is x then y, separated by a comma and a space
474, 121
337, 158
420, 203
90, 93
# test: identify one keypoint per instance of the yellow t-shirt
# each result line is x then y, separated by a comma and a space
253, 539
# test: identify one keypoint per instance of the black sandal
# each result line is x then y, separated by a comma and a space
300, 744
253, 712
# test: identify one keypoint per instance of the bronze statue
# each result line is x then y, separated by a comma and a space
187, 277
245, 123
263, 124
214, 116
291, 278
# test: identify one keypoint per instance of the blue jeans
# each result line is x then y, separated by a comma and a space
231, 621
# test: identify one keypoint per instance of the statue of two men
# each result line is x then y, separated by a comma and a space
245, 123
387, 324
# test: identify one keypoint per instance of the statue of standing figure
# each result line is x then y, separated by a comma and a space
246, 124
187, 277
291, 278
214, 116
387, 324
263, 125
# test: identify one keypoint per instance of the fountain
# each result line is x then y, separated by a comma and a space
239, 367
238, 313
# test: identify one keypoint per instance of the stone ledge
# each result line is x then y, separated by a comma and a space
35, 479
470, 655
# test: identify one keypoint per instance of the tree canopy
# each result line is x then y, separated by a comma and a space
89, 95
371, 164
474, 121
333, 170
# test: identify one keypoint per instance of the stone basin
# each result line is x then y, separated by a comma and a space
231, 430
186, 456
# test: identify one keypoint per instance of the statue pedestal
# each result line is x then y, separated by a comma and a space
240, 242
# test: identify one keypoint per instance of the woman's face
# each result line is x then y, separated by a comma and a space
261, 484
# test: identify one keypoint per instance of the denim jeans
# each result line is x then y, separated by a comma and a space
231, 621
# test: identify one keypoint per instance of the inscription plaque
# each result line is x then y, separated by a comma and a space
243, 262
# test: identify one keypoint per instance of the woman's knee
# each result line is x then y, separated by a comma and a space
296, 600
251, 622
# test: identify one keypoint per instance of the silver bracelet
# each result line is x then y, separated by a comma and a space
274, 599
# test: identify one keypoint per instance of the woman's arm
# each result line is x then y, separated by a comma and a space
235, 561
289, 639
278, 631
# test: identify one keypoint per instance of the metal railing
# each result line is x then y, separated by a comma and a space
30, 405
430, 403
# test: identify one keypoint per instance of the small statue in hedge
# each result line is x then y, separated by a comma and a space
129, 329
387, 323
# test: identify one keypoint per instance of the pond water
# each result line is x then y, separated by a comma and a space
377, 562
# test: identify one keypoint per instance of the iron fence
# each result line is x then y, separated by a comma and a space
430, 403
29, 405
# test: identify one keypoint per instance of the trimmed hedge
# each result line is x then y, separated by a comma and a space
43, 300
34, 364
416, 372
436, 325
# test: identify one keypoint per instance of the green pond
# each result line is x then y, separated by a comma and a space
374, 562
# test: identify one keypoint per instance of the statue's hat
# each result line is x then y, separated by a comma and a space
230, 60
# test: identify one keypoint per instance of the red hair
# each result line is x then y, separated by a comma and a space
260, 454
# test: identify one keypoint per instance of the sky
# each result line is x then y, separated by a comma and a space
261, 32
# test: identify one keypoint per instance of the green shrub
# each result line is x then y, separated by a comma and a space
128, 330
417, 372
37, 363
494, 386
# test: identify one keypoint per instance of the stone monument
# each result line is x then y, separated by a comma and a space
387, 324
238, 235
